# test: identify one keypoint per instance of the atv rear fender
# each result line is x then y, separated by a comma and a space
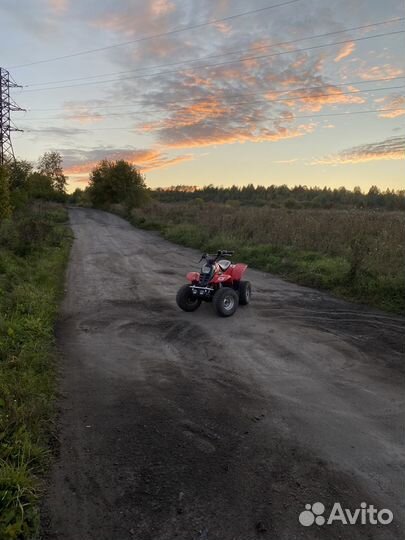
237, 271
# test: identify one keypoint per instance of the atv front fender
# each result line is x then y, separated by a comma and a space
193, 276
221, 278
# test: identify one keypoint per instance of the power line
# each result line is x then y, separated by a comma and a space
228, 96
286, 98
155, 36
346, 113
239, 51
220, 63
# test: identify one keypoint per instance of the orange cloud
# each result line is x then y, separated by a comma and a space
197, 112
345, 51
316, 99
218, 137
396, 102
392, 114
190, 115
380, 72
145, 160
316, 103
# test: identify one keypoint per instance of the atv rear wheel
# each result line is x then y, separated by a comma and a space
245, 293
225, 301
186, 300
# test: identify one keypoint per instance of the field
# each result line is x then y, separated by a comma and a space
356, 254
34, 245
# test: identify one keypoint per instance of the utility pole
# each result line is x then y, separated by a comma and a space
7, 106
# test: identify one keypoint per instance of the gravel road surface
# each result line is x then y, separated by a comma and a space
186, 426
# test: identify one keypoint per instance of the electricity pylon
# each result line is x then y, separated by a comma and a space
7, 106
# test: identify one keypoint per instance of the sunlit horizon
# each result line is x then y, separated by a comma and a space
298, 92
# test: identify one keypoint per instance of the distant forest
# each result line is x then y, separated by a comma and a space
285, 197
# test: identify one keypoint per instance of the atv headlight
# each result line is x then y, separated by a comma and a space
206, 269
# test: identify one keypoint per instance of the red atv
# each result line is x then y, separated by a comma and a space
220, 282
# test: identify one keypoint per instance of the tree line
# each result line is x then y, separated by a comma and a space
120, 182
285, 197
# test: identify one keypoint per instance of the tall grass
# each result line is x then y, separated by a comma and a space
33, 253
357, 254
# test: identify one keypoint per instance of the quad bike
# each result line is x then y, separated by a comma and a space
219, 282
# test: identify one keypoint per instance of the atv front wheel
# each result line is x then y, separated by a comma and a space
186, 300
245, 292
225, 301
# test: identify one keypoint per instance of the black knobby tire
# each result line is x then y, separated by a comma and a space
225, 301
186, 300
245, 293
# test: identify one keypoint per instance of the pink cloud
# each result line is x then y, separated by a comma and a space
345, 51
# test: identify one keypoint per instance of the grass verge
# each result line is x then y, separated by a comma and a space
34, 248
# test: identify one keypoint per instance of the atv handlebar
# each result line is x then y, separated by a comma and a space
213, 258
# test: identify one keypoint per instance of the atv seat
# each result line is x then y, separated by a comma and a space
224, 265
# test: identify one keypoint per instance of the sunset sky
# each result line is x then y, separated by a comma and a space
200, 91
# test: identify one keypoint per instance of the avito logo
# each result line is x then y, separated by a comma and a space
366, 514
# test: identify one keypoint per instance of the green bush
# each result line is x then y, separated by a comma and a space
188, 235
5, 204
30, 229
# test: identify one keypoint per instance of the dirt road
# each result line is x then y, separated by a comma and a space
188, 426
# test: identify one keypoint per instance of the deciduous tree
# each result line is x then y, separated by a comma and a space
50, 164
114, 182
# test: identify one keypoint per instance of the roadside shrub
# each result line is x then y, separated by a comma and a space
188, 235
5, 205
29, 230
